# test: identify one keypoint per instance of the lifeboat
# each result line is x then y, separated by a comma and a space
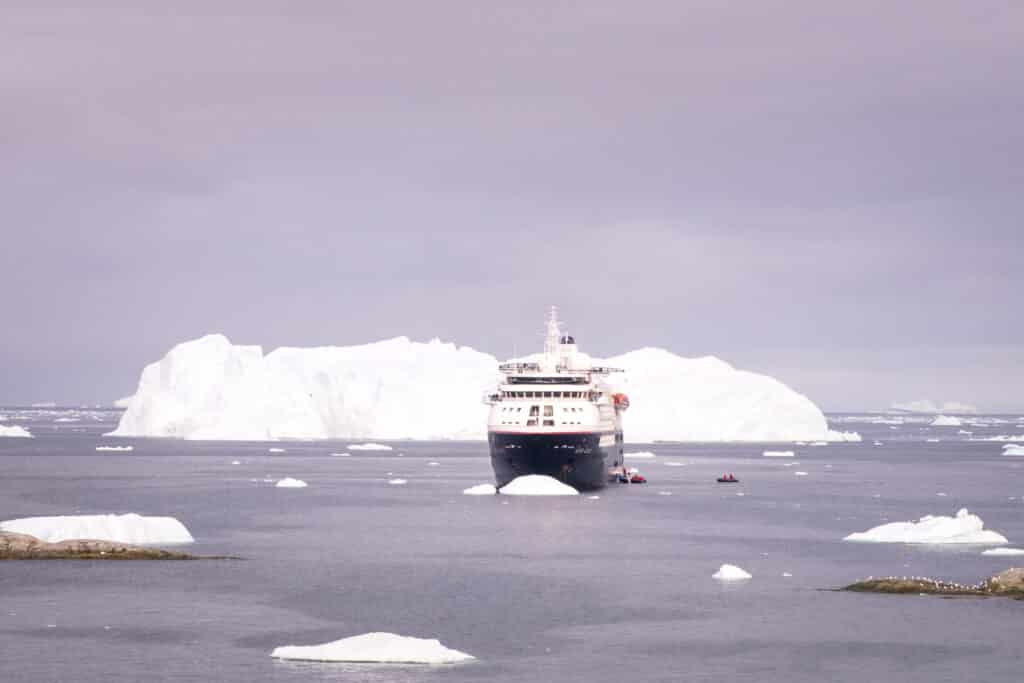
621, 401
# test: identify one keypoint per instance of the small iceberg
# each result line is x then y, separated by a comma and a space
800, 474
275, 450
341, 455
289, 483
236, 462
398, 482
1013, 449
1003, 552
819, 443
386, 648
946, 421
15, 431
645, 455
730, 572
480, 490
114, 448
130, 528
537, 485
778, 454
964, 528
368, 447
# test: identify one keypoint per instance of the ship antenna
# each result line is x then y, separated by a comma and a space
551, 341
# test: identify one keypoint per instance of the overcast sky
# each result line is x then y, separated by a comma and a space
830, 193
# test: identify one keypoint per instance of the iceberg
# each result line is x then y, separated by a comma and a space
289, 483
398, 482
926, 406
641, 455
730, 572
369, 447
130, 528
537, 485
963, 528
386, 648
209, 388
480, 490
778, 454
114, 448
1003, 552
123, 402
1013, 449
15, 431
946, 421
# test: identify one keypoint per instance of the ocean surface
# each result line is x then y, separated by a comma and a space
617, 588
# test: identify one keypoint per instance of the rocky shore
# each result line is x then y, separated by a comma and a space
1009, 583
24, 547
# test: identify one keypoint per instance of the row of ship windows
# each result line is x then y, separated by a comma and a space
533, 423
545, 394
549, 411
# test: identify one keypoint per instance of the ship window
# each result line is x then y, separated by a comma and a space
534, 411
531, 423
549, 411
549, 423
547, 394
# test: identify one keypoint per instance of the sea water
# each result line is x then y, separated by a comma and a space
538, 589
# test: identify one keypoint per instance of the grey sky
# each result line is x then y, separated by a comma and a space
826, 192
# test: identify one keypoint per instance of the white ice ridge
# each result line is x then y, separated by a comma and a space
15, 431
537, 485
1013, 449
130, 528
946, 421
730, 572
964, 528
778, 454
375, 647
399, 389
480, 490
369, 447
289, 483
1003, 552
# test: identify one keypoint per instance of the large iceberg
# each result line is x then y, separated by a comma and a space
130, 528
209, 388
375, 648
15, 431
964, 528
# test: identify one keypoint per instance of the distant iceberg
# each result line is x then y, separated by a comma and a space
1013, 449
209, 388
387, 648
368, 447
480, 490
946, 421
289, 483
130, 528
927, 406
537, 485
15, 431
778, 454
730, 572
963, 528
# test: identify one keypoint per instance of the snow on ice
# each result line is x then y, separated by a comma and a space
375, 648
289, 483
130, 528
730, 572
480, 490
15, 431
537, 485
963, 528
209, 388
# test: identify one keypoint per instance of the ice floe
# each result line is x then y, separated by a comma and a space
800, 474
963, 528
15, 431
115, 448
341, 455
537, 485
369, 447
926, 406
209, 388
236, 462
275, 450
778, 454
289, 483
480, 490
730, 572
1003, 437
1003, 552
398, 482
1013, 449
946, 421
129, 528
639, 455
387, 648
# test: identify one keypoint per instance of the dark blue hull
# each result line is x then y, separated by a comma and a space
578, 460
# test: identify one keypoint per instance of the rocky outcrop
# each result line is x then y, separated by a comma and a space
24, 547
1009, 583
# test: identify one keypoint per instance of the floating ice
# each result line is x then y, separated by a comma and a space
926, 406
480, 490
1013, 449
275, 450
819, 443
932, 440
778, 454
369, 447
341, 455
377, 648
537, 485
730, 572
673, 463
1003, 552
946, 421
289, 483
236, 462
209, 388
639, 455
1004, 437
397, 482
130, 528
114, 448
964, 528
800, 474
123, 402
15, 431
433, 464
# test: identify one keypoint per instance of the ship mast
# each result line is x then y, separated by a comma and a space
552, 338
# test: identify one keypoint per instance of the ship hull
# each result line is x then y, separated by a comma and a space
579, 460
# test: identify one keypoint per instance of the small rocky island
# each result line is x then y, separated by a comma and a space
1009, 584
24, 547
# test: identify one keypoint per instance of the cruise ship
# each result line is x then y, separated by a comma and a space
557, 416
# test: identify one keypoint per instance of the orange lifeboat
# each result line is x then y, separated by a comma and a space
621, 401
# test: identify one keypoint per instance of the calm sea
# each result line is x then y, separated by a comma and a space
544, 589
